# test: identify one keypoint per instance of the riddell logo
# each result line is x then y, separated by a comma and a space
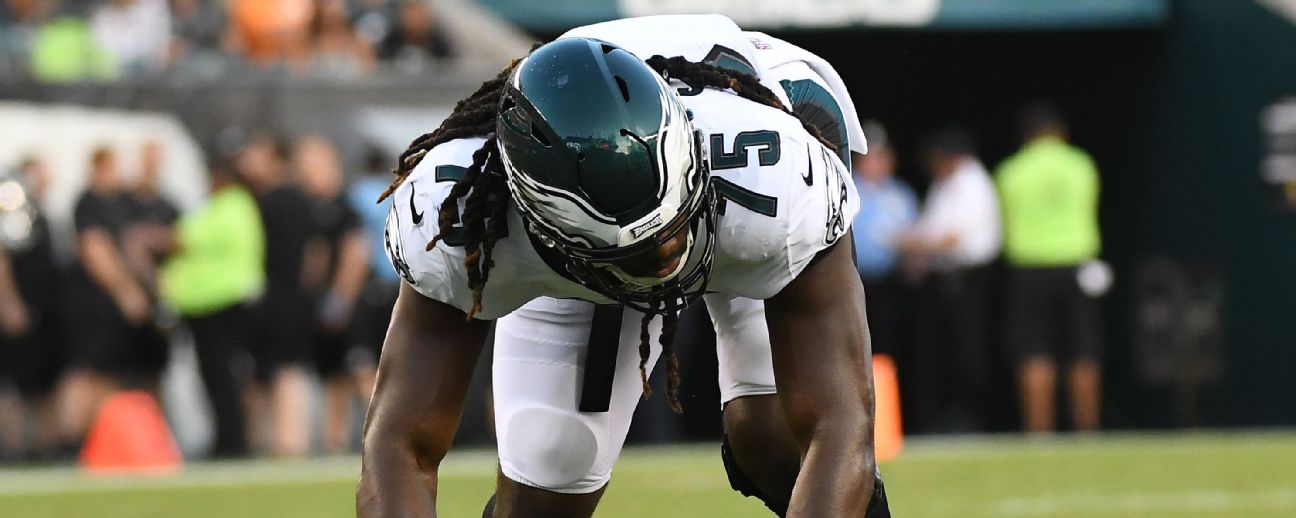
644, 228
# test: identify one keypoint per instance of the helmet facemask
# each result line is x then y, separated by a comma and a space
606, 168
600, 268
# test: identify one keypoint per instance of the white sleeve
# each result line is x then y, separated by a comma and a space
437, 274
412, 222
518, 274
823, 211
980, 226
779, 58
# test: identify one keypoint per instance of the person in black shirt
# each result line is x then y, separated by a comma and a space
29, 353
147, 240
417, 43
104, 302
284, 315
339, 270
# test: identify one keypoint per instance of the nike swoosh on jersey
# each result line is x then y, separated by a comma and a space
808, 177
415, 215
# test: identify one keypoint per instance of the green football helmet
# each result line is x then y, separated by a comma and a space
605, 167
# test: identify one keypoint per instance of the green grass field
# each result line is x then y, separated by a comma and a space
1233, 475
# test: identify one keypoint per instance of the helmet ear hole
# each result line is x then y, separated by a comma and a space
625, 90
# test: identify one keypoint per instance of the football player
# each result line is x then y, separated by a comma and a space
596, 183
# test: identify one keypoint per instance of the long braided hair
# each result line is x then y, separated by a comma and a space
485, 208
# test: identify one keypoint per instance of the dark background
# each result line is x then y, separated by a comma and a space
1171, 115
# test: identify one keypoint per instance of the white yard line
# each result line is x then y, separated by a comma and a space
219, 474
1196, 501
1066, 444
262, 472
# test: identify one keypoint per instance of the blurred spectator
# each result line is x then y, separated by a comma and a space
196, 25
146, 242
105, 301
64, 49
335, 48
373, 20
887, 207
374, 307
197, 33
78, 40
284, 316
951, 246
30, 355
341, 271
19, 22
1049, 191
152, 216
270, 32
417, 43
217, 271
136, 33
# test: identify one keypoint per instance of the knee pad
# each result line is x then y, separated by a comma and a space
878, 507
744, 485
549, 449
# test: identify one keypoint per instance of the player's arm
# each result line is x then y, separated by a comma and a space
822, 366
427, 362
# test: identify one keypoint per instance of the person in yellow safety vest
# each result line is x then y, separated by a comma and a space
1048, 192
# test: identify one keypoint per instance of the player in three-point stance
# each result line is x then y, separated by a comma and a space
591, 190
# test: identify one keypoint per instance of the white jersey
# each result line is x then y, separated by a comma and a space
785, 197
717, 39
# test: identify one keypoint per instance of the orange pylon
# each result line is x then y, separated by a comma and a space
130, 434
888, 434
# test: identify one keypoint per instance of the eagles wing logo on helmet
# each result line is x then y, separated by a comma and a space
602, 160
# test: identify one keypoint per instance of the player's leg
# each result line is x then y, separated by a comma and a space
554, 459
760, 454
761, 457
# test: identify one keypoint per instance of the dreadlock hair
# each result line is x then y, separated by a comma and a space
486, 205
748, 87
482, 183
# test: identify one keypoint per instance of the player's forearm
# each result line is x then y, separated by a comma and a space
423, 375
821, 353
392, 484
837, 472
833, 423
